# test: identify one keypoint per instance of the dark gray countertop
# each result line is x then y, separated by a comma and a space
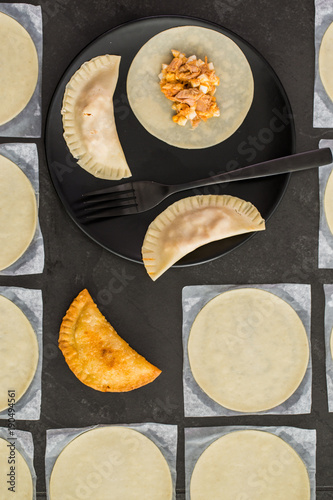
149, 314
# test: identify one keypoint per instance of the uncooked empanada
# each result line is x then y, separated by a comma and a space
96, 354
88, 119
192, 222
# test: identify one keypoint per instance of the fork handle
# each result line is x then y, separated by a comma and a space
286, 164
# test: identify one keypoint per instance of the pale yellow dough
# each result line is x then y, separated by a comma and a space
111, 462
326, 61
234, 95
192, 222
23, 480
18, 352
18, 212
88, 119
19, 68
248, 350
328, 202
250, 465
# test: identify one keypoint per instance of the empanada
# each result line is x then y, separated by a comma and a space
88, 119
96, 354
192, 222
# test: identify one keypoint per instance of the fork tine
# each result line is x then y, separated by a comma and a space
109, 204
108, 213
119, 188
107, 197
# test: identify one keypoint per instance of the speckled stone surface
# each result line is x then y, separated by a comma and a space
149, 314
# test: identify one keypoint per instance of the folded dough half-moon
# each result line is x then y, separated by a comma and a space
96, 354
325, 61
88, 119
192, 222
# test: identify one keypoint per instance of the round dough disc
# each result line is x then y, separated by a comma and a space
248, 350
23, 480
234, 95
19, 68
18, 212
19, 348
250, 465
111, 459
325, 61
328, 202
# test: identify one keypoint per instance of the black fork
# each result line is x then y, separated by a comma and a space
139, 196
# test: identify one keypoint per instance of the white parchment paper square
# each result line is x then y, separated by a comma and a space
163, 435
328, 289
197, 403
28, 123
322, 104
25, 156
31, 304
197, 439
325, 239
24, 444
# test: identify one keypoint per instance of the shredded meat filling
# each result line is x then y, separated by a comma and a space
191, 84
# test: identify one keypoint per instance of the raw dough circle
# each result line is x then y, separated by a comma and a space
325, 61
19, 348
19, 68
23, 479
234, 95
328, 202
248, 350
250, 465
18, 212
111, 459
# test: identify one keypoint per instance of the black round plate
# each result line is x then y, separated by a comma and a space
266, 133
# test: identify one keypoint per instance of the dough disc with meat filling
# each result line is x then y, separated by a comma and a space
234, 95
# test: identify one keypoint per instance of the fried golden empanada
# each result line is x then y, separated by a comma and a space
96, 354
